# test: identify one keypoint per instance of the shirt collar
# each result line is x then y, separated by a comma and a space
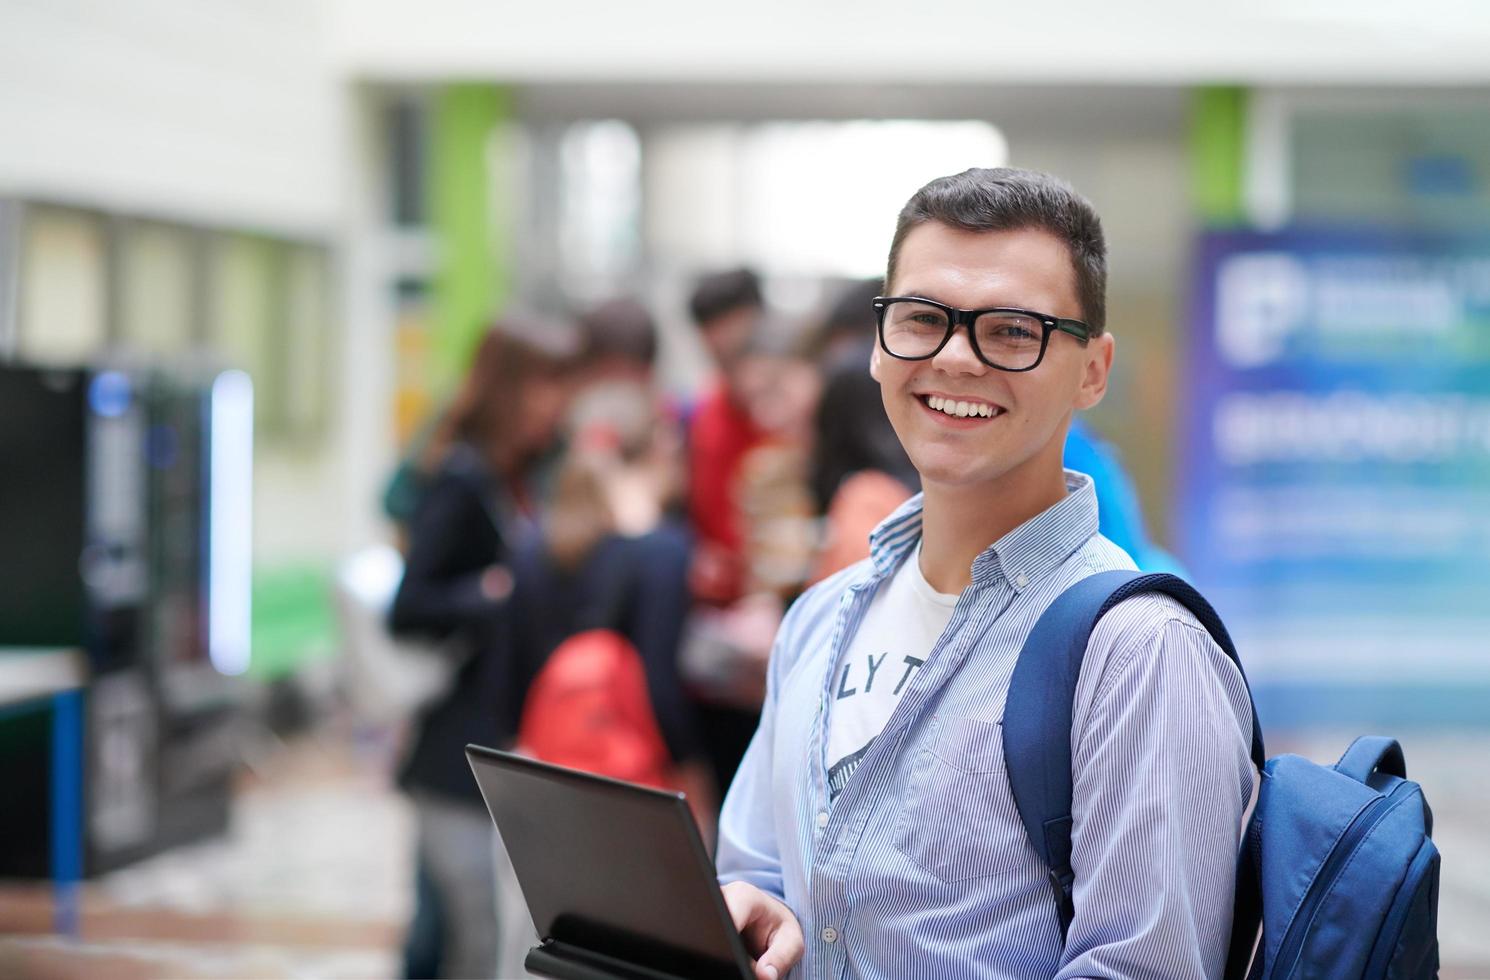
1022, 556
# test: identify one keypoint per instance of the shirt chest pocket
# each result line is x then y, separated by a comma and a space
960, 821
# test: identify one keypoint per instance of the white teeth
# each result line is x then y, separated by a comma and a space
959, 409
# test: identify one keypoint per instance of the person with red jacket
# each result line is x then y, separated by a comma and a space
727, 308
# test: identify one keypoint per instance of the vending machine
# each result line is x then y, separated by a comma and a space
125, 522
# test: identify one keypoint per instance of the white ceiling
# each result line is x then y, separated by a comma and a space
1355, 42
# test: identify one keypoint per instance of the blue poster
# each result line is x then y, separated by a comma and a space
1336, 465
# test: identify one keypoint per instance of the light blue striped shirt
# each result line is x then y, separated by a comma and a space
920, 867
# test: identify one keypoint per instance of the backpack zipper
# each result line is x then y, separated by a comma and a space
1361, 825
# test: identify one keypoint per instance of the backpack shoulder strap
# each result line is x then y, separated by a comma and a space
1037, 715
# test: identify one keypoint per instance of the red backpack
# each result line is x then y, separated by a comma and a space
589, 709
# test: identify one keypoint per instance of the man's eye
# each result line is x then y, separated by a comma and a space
1009, 331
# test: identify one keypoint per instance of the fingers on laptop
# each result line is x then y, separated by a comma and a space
771, 932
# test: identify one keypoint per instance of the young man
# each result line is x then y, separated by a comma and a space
871, 831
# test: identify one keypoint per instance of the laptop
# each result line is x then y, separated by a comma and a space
615, 875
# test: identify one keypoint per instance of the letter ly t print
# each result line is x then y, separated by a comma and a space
873, 664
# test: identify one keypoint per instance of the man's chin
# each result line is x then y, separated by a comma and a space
953, 475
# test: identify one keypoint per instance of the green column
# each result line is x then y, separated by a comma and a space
469, 219
1218, 144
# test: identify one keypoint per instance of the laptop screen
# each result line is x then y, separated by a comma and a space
610, 867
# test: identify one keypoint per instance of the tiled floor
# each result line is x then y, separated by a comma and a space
313, 880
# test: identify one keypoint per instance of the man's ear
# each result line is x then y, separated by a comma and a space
1099, 353
874, 362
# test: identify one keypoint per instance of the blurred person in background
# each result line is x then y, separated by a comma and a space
619, 374
761, 495
872, 830
609, 557
481, 472
614, 551
780, 387
727, 308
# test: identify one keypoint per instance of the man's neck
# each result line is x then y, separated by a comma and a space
960, 523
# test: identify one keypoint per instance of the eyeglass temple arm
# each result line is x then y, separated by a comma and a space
1075, 328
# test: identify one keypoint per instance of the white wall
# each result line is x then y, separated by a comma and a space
213, 111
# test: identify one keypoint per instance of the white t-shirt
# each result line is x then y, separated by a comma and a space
899, 629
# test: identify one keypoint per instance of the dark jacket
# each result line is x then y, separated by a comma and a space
462, 525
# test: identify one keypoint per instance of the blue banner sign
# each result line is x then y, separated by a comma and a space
1336, 462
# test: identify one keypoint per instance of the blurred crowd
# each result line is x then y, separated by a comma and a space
562, 492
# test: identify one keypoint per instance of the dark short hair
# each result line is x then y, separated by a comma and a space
721, 292
620, 327
1005, 199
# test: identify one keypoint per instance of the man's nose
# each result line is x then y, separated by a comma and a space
957, 355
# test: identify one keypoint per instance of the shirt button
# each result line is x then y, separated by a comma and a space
822, 820
1021, 580
830, 935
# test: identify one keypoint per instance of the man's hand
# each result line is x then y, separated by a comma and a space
771, 933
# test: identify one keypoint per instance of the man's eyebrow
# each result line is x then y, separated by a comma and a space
922, 294
918, 294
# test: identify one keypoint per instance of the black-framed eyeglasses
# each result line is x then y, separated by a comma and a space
1009, 339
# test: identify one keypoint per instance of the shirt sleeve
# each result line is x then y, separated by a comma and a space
1162, 777
748, 848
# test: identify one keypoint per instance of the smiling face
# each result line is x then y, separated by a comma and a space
964, 424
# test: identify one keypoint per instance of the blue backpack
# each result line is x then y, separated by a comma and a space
1337, 865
